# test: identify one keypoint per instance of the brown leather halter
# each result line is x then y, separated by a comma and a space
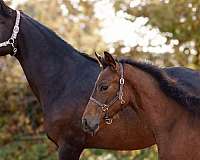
119, 96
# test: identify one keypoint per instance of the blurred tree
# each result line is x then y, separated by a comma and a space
179, 18
73, 21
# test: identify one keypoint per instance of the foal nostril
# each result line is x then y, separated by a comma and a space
84, 124
90, 125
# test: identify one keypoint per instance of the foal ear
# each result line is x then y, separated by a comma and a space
101, 60
110, 61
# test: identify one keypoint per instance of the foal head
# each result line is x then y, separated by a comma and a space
7, 22
110, 95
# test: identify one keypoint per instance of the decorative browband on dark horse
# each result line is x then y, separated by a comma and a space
11, 40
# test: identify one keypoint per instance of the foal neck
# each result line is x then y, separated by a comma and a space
152, 102
174, 129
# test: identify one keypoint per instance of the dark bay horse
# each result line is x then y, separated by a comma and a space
170, 106
62, 79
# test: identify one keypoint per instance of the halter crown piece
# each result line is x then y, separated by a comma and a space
119, 96
11, 40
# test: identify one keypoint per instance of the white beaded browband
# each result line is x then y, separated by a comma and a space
11, 40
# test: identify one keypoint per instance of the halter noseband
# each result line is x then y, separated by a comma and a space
119, 96
11, 40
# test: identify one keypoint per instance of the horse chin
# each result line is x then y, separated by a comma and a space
4, 51
93, 133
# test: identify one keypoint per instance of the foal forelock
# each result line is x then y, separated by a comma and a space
169, 86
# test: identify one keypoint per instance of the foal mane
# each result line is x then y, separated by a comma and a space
189, 101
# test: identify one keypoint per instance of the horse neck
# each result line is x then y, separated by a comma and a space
172, 126
49, 63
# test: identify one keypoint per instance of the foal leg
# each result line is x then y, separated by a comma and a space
68, 152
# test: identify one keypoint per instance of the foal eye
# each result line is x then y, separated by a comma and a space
103, 88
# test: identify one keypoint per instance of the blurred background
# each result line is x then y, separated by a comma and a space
165, 32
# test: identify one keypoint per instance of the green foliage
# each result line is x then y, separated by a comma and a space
181, 18
93, 154
29, 149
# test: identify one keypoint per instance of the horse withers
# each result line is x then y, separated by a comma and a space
168, 105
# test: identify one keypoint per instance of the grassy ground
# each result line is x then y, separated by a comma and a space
43, 149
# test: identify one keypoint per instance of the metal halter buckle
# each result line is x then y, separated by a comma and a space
122, 101
11, 41
121, 81
104, 108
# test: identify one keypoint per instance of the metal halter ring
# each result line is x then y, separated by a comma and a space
122, 101
121, 81
104, 108
11, 41
108, 121
14, 50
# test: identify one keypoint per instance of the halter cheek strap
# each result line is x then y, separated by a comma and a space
119, 96
121, 84
11, 40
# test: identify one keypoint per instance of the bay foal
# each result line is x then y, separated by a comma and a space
170, 111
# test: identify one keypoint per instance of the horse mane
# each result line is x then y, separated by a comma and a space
88, 57
52, 34
168, 85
